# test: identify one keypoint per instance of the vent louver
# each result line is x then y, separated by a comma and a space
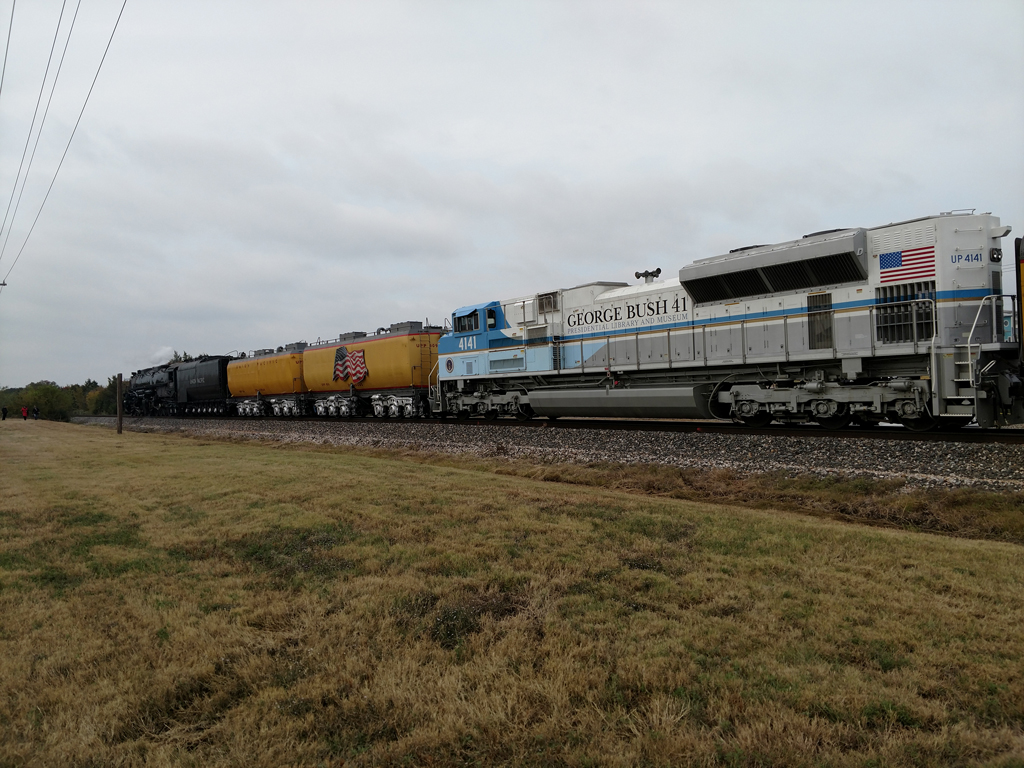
797, 266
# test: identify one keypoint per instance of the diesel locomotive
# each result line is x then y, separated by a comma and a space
904, 323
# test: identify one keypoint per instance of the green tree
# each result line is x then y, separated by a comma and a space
103, 401
61, 403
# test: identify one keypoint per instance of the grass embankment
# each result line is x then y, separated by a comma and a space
165, 600
967, 512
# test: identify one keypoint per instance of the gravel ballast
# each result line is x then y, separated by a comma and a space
926, 463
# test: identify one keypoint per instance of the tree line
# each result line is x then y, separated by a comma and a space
61, 403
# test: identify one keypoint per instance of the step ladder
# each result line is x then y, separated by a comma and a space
965, 367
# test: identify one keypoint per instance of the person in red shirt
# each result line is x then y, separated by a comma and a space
24, 412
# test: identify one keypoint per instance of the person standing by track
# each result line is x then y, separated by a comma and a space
24, 413
4, 410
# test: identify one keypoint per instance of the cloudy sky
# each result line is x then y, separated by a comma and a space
247, 174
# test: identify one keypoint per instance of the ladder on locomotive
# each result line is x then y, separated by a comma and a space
964, 375
966, 369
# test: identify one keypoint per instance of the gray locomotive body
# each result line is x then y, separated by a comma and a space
901, 323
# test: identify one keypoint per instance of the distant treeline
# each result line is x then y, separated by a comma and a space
61, 403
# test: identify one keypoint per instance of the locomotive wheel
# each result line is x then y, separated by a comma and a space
758, 420
463, 414
921, 424
491, 415
835, 422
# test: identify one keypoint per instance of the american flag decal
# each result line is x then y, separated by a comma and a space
350, 365
911, 264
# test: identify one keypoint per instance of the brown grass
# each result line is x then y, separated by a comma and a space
964, 512
165, 600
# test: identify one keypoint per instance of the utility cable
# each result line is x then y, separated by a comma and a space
66, 148
39, 133
32, 125
10, 27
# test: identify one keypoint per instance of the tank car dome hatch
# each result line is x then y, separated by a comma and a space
409, 326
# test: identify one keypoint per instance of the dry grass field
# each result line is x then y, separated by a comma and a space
170, 601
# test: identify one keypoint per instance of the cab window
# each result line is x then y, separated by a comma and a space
467, 323
492, 320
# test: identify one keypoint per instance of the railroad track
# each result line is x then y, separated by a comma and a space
894, 432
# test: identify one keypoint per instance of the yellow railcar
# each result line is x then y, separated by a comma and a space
267, 374
388, 373
400, 359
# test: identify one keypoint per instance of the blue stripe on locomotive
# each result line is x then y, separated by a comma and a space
538, 357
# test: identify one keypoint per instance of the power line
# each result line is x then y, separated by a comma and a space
39, 133
35, 114
10, 27
66, 148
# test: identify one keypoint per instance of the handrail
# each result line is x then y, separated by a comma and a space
434, 390
970, 336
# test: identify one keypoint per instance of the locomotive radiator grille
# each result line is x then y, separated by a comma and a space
900, 319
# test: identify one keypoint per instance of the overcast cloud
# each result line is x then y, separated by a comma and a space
249, 174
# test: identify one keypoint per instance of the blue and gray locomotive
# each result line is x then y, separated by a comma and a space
900, 323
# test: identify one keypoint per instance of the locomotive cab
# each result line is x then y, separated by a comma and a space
477, 328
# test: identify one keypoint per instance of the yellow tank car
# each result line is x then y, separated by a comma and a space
386, 373
273, 378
